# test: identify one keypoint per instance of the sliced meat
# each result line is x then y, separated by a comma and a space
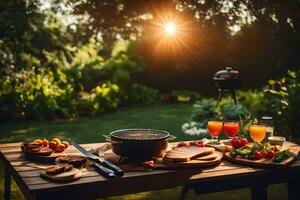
76, 161
187, 153
68, 167
26, 146
57, 169
35, 149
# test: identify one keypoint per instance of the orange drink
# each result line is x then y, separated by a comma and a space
258, 132
215, 128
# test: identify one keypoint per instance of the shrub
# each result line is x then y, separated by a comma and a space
141, 94
254, 100
284, 103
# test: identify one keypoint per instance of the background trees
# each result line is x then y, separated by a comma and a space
67, 58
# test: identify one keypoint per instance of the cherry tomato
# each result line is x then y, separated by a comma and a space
244, 141
182, 144
258, 155
271, 154
45, 142
53, 145
38, 142
56, 140
264, 154
198, 143
66, 144
236, 143
60, 148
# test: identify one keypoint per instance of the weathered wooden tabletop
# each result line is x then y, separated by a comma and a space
222, 177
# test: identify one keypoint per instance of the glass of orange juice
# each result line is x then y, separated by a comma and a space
258, 132
215, 129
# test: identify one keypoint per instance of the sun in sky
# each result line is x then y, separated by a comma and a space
170, 28
171, 33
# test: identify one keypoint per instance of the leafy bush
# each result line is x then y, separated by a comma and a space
102, 98
254, 100
141, 94
284, 103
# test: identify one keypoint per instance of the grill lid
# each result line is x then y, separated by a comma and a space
140, 134
227, 73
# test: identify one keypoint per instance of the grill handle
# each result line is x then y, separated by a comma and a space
171, 138
108, 139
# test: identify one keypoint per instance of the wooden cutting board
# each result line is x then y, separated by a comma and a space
160, 164
195, 162
72, 175
262, 163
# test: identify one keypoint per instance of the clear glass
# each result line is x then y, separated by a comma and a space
268, 121
231, 128
258, 132
215, 129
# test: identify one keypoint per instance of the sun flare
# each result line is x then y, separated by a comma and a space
170, 28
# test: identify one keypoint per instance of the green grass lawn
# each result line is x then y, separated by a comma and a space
168, 117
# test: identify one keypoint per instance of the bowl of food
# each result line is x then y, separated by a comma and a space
276, 140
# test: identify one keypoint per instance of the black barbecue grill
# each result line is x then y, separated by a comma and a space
227, 81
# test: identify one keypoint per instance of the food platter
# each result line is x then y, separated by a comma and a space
72, 175
262, 163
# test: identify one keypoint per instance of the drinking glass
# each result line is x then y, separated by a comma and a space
231, 128
215, 129
258, 132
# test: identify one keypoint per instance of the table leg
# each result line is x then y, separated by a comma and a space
293, 190
7, 184
184, 191
259, 192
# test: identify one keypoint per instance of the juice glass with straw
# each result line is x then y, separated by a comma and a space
215, 129
258, 132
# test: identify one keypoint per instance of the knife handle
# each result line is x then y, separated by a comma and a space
104, 171
117, 170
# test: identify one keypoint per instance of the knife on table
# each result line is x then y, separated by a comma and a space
101, 165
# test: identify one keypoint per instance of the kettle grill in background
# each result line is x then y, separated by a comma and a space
227, 81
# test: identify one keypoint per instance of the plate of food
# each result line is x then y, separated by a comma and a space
43, 150
260, 155
61, 172
192, 154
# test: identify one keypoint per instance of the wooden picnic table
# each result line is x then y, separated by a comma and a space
225, 176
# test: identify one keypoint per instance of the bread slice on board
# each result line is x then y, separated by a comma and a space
187, 153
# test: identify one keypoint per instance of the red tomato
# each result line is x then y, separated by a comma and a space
258, 155
271, 154
182, 144
244, 141
264, 154
236, 143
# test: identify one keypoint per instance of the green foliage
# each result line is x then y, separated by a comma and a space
234, 112
254, 100
141, 94
105, 97
204, 111
284, 102
185, 95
